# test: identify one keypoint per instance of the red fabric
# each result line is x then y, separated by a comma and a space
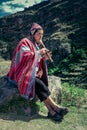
23, 68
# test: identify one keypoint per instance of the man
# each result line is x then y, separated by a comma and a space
29, 71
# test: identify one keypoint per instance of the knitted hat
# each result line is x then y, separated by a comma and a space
34, 27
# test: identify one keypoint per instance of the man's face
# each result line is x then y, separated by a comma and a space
38, 36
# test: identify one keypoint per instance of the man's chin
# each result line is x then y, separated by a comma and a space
38, 43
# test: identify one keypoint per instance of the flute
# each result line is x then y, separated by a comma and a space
46, 52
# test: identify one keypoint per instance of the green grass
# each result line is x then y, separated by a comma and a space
76, 119
72, 95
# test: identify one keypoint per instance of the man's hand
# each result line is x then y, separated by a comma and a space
45, 53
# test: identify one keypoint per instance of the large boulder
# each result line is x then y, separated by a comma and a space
8, 90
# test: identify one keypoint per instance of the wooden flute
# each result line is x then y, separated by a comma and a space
48, 52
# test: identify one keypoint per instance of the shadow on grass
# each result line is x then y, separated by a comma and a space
25, 118
14, 116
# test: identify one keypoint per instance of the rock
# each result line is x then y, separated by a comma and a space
8, 90
11, 99
55, 88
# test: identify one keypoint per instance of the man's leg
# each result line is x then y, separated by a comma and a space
43, 94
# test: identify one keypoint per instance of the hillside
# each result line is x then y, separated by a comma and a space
64, 23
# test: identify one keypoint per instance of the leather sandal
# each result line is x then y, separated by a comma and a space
55, 117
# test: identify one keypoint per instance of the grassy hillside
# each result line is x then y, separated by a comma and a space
64, 23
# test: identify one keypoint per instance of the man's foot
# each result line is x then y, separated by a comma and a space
62, 111
55, 117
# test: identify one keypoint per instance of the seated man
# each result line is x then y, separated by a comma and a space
29, 71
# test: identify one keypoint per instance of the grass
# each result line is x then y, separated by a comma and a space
72, 95
13, 118
76, 119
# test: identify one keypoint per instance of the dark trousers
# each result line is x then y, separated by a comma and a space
41, 90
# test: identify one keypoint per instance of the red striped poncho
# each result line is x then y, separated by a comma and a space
23, 68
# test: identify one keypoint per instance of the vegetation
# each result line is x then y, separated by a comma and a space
72, 95
75, 120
